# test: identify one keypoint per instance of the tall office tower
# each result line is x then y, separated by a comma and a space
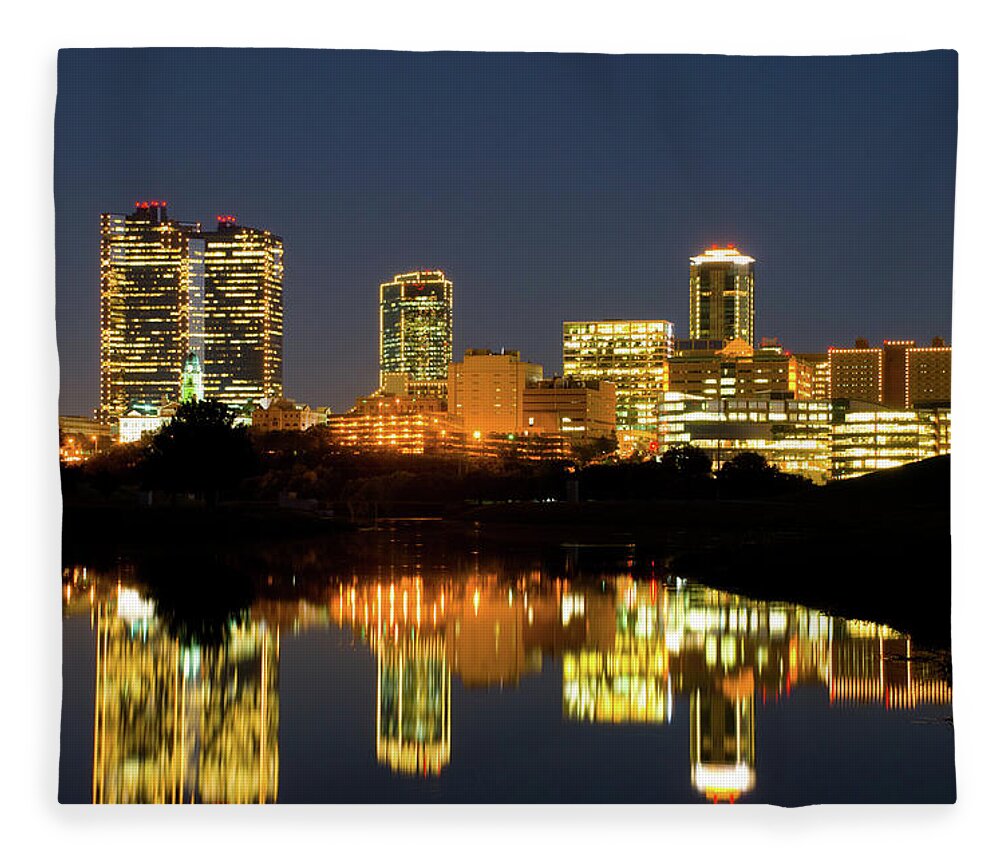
150, 300
243, 313
722, 295
630, 353
415, 330
486, 390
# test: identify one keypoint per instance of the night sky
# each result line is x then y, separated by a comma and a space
547, 186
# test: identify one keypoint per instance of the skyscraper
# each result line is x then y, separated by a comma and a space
243, 312
149, 306
415, 326
633, 355
722, 295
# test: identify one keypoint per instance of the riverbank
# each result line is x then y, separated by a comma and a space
876, 547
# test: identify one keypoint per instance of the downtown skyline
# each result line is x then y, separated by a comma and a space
543, 201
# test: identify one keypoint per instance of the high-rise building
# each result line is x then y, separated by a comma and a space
170, 291
243, 312
415, 326
722, 295
633, 355
149, 306
485, 390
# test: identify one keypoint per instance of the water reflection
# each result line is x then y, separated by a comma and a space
178, 721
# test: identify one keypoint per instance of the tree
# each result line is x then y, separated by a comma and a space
749, 474
200, 451
687, 461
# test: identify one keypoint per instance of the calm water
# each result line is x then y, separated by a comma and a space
410, 673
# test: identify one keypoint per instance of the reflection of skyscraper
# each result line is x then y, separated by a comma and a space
244, 278
723, 746
722, 295
413, 733
415, 327
149, 300
176, 723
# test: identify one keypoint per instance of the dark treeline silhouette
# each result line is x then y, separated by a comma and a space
200, 455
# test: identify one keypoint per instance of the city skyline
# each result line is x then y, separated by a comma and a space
605, 247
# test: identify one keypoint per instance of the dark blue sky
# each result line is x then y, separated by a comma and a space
548, 186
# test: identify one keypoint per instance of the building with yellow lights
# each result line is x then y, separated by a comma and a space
282, 414
857, 373
576, 408
793, 435
630, 354
150, 306
243, 313
899, 374
817, 375
486, 390
872, 437
735, 369
415, 327
722, 295
395, 432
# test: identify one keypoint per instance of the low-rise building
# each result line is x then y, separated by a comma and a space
713, 369
872, 437
282, 414
899, 374
144, 420
793, 435
576, 408
399, 433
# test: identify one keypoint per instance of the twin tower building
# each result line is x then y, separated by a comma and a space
187, 312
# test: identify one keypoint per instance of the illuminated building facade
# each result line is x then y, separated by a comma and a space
816, 372
192, 379
630, 354
577, 408
793, 435
396, 432
485, 390
282, 414
928, 375
243, 313
856, 373
149, 306
872, 437
722, 295
736, 369
899, 374
415, 327
144, 420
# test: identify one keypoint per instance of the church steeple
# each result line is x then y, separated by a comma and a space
192, 385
